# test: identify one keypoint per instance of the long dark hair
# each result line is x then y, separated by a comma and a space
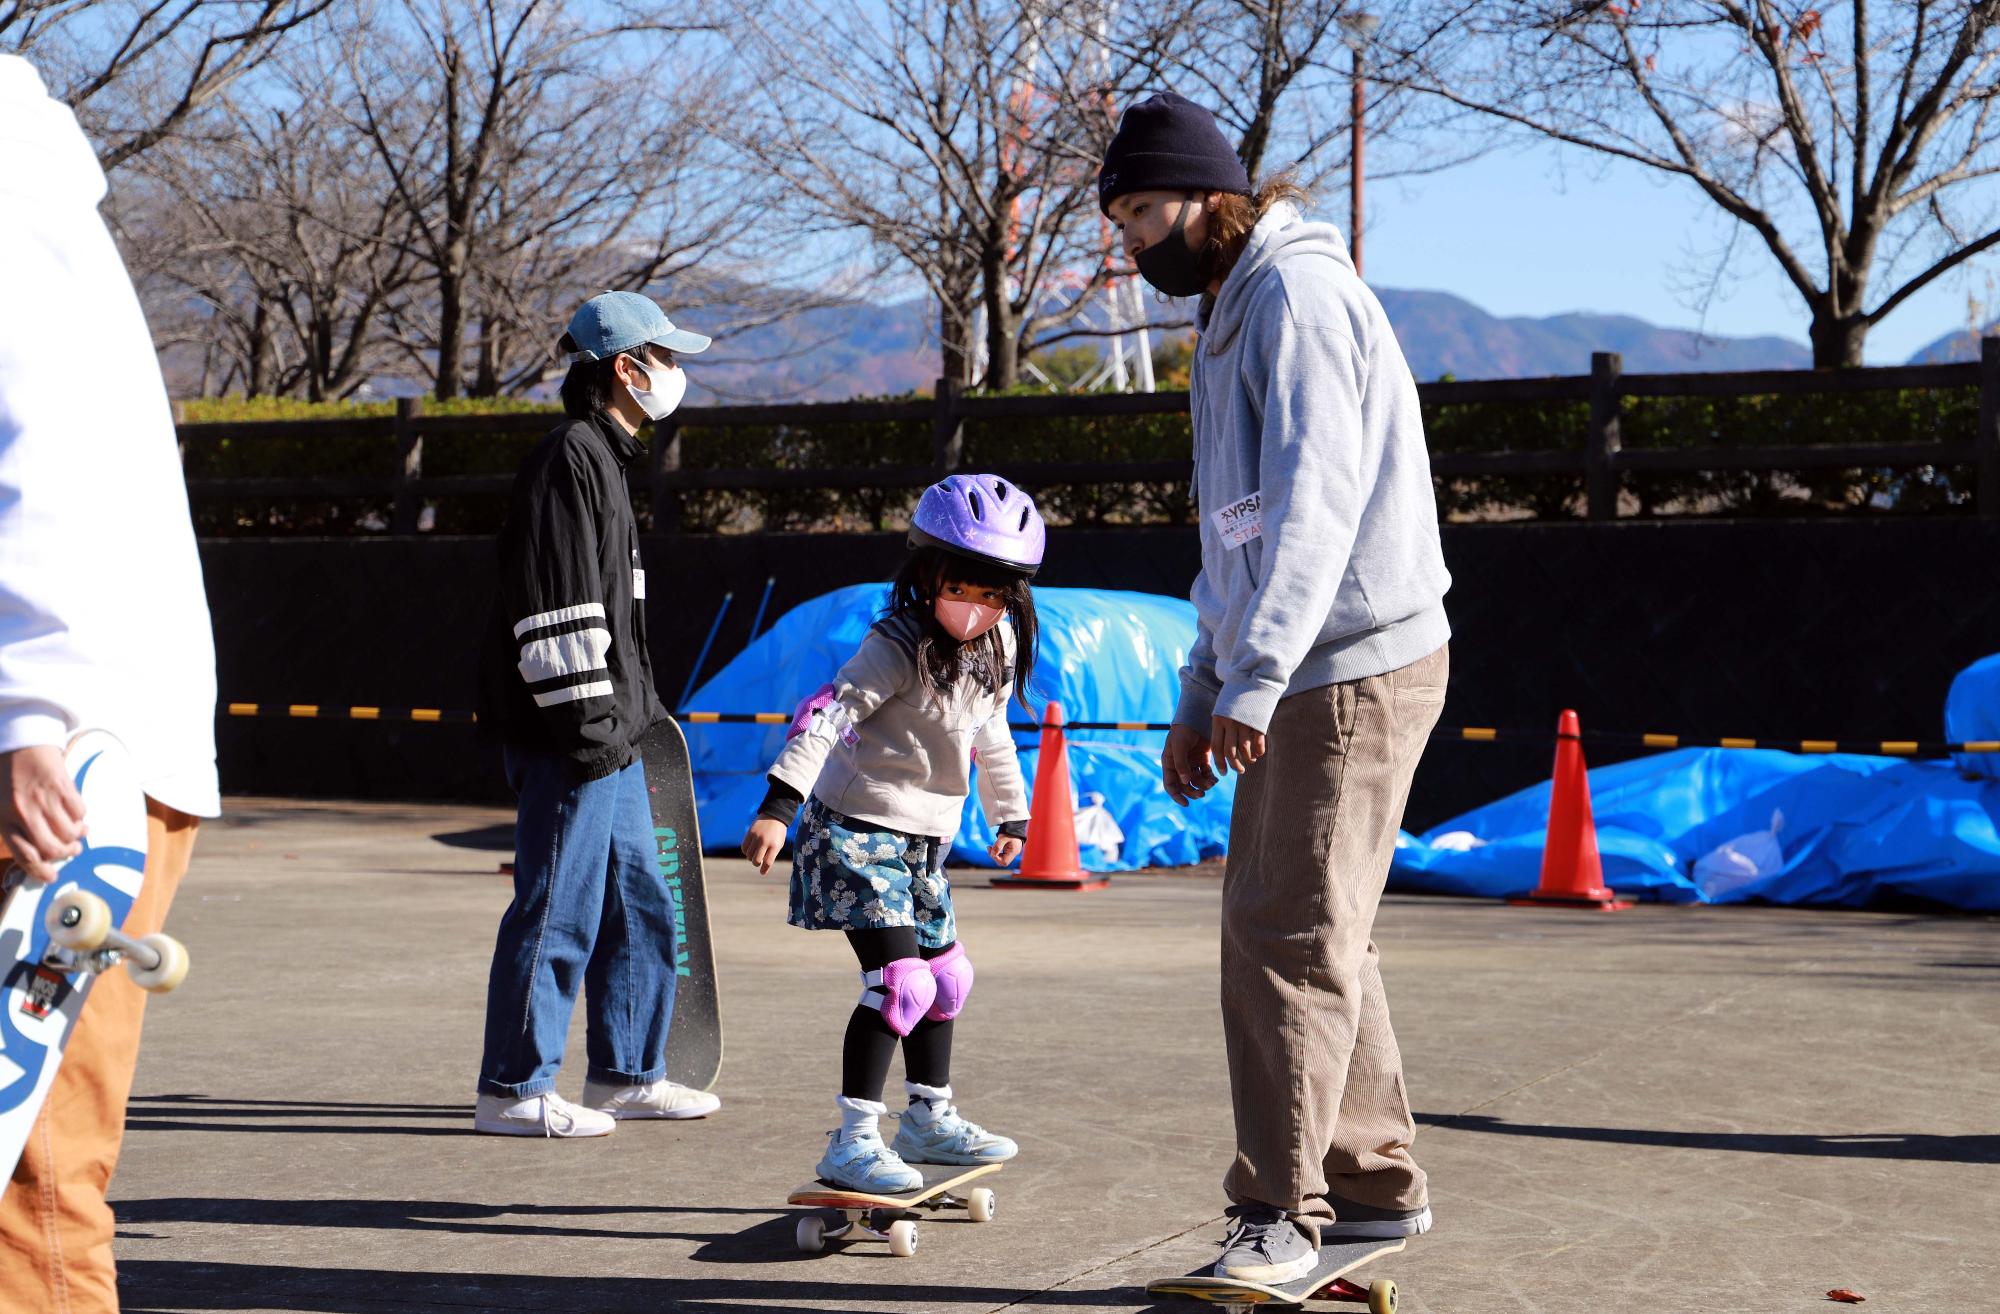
1232, 217
941, 657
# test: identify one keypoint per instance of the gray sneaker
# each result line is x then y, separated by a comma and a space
1264, 1245
1354, 1222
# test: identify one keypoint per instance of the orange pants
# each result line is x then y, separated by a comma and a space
55, 1226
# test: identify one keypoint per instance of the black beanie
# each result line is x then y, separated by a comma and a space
1169, 143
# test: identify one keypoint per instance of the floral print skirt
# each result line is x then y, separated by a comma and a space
850, 876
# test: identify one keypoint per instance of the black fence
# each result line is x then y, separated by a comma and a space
1768, 630
1602, 462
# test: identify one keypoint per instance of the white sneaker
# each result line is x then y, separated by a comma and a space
656, 1099
538, 1115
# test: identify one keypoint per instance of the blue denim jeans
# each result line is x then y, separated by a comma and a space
591, 911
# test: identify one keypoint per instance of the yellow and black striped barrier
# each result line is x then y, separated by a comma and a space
327, 712
1471, 734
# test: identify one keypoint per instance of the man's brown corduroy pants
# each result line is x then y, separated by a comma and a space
1314, 1072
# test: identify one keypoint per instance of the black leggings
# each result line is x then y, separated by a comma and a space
871, 1043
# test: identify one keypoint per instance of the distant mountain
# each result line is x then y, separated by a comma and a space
1962, 345
851, 349
860, 349
1444, 334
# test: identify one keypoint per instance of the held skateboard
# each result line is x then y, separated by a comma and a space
56, 939
891, 1218
694, 1038
1327, 1281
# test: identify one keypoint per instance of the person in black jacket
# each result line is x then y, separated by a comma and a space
567, 686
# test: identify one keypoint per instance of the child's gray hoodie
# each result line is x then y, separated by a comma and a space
1320, 560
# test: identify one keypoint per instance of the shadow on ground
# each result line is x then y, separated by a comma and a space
213, 1286
1874, 1145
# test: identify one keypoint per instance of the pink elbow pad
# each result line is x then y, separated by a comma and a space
903, 990
802, 715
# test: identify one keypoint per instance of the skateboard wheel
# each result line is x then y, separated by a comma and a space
902, 1238
164, 975
79, 920
1382, 1296
980, 1205
811, 1234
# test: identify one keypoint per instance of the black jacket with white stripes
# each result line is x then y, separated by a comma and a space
564, 668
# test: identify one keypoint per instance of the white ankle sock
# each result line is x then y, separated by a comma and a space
859, 1118
927, 1102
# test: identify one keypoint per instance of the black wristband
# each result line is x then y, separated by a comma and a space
1014, 830
781, 803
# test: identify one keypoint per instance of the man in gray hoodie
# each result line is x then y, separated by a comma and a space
1318, 672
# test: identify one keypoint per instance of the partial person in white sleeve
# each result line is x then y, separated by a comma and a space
103, 623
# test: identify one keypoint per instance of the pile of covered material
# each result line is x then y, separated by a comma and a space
1734, 825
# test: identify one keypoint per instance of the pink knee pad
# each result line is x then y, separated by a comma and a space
903, 991
953, 972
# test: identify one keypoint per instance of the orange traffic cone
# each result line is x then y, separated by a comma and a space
1572, 872
1051, 860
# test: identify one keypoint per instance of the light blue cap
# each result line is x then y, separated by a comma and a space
611, 322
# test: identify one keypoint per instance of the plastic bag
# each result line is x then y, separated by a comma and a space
1738, 863
1097, 829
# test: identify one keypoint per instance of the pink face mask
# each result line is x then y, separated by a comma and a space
966, 621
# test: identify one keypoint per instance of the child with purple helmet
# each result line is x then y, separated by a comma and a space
881, 760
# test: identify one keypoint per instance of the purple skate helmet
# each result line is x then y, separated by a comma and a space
982, 517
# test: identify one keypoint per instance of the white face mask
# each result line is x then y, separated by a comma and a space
659, 401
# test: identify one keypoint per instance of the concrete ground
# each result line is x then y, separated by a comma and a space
1663, 1109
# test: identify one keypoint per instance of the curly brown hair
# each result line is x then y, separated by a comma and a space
1231, 217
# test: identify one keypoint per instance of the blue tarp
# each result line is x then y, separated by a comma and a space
1854, 831
1972, 712
1106, 655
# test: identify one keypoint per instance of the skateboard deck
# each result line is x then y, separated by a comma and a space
56, 938
694, 1039
891, 1217
1327, 1281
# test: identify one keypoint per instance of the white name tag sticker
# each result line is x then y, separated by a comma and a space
1239, 522
638, 583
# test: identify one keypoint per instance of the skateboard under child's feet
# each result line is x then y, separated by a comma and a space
852, 1215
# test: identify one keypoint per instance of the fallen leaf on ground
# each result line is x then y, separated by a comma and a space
1845, 1297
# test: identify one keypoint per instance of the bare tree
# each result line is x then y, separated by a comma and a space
1278, 75
962, 138
282, 237
535, 156
1840, 137
138, 73
211, 322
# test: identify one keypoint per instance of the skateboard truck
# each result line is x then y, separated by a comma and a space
1379, 1295
80, 932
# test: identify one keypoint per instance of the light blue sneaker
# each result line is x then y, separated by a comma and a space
864, 1163
949, 1138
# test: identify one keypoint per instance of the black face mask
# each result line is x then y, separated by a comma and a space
1170, 265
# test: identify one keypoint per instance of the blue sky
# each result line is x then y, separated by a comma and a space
1537, 231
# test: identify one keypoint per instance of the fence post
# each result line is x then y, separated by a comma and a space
665, 497
1986, 501
405, 503
1600, 472
947, 429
